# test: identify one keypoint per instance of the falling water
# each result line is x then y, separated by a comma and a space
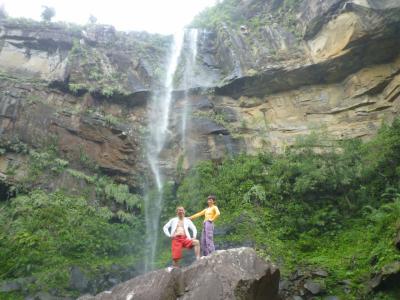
158, 126
188, 78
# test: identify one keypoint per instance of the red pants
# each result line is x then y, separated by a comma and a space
179, 242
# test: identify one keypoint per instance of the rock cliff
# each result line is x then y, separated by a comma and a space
77, 88
275, 71
270, 72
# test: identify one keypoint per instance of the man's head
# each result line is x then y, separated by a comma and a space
211, 199
180, 211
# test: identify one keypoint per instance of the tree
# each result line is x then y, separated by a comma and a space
48, 13
92, 19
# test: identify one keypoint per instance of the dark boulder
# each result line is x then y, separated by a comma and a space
320, 273
314, 287
78, 279
10, 286
15, 284
387, 278
304, 283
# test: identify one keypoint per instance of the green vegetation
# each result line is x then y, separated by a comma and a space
258, 14
320, 204
333, 205
84, 159
214, 16
22, 22
251, 18
14, 145
89, 221
92, 65
112, 120
77, 88
94, 69
43, 234
119, 193
99, 80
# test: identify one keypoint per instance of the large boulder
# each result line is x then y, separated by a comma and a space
228, 274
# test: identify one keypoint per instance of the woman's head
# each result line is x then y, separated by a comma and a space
211, 199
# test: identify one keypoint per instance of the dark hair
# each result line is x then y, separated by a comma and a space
212, 197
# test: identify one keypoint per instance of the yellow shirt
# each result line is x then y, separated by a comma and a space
210, 214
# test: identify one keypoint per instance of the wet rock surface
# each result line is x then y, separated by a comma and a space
388, 277
84, 130
16, 284
313, 287
228, 274
304, 284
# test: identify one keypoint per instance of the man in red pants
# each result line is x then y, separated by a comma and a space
178, 230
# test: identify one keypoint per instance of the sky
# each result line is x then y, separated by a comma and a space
161, 16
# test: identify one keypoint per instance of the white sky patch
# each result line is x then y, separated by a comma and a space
162, 16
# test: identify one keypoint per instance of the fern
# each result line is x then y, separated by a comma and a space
125, 217
120, 194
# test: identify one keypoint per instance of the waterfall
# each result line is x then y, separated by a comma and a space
158, 114
188, 79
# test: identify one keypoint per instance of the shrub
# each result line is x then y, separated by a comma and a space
43, 234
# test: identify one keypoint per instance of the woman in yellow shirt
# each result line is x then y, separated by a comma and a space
211, 213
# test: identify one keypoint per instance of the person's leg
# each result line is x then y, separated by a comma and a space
175, 263
210, 237
196, 247
203, 245
176, 248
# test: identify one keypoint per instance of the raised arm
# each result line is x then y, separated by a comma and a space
166, 228
216, 214
192, 228
199, 214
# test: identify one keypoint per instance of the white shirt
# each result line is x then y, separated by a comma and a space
187, 224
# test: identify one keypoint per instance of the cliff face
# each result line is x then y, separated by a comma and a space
278, 70
80, 59
273, 71
81, 89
